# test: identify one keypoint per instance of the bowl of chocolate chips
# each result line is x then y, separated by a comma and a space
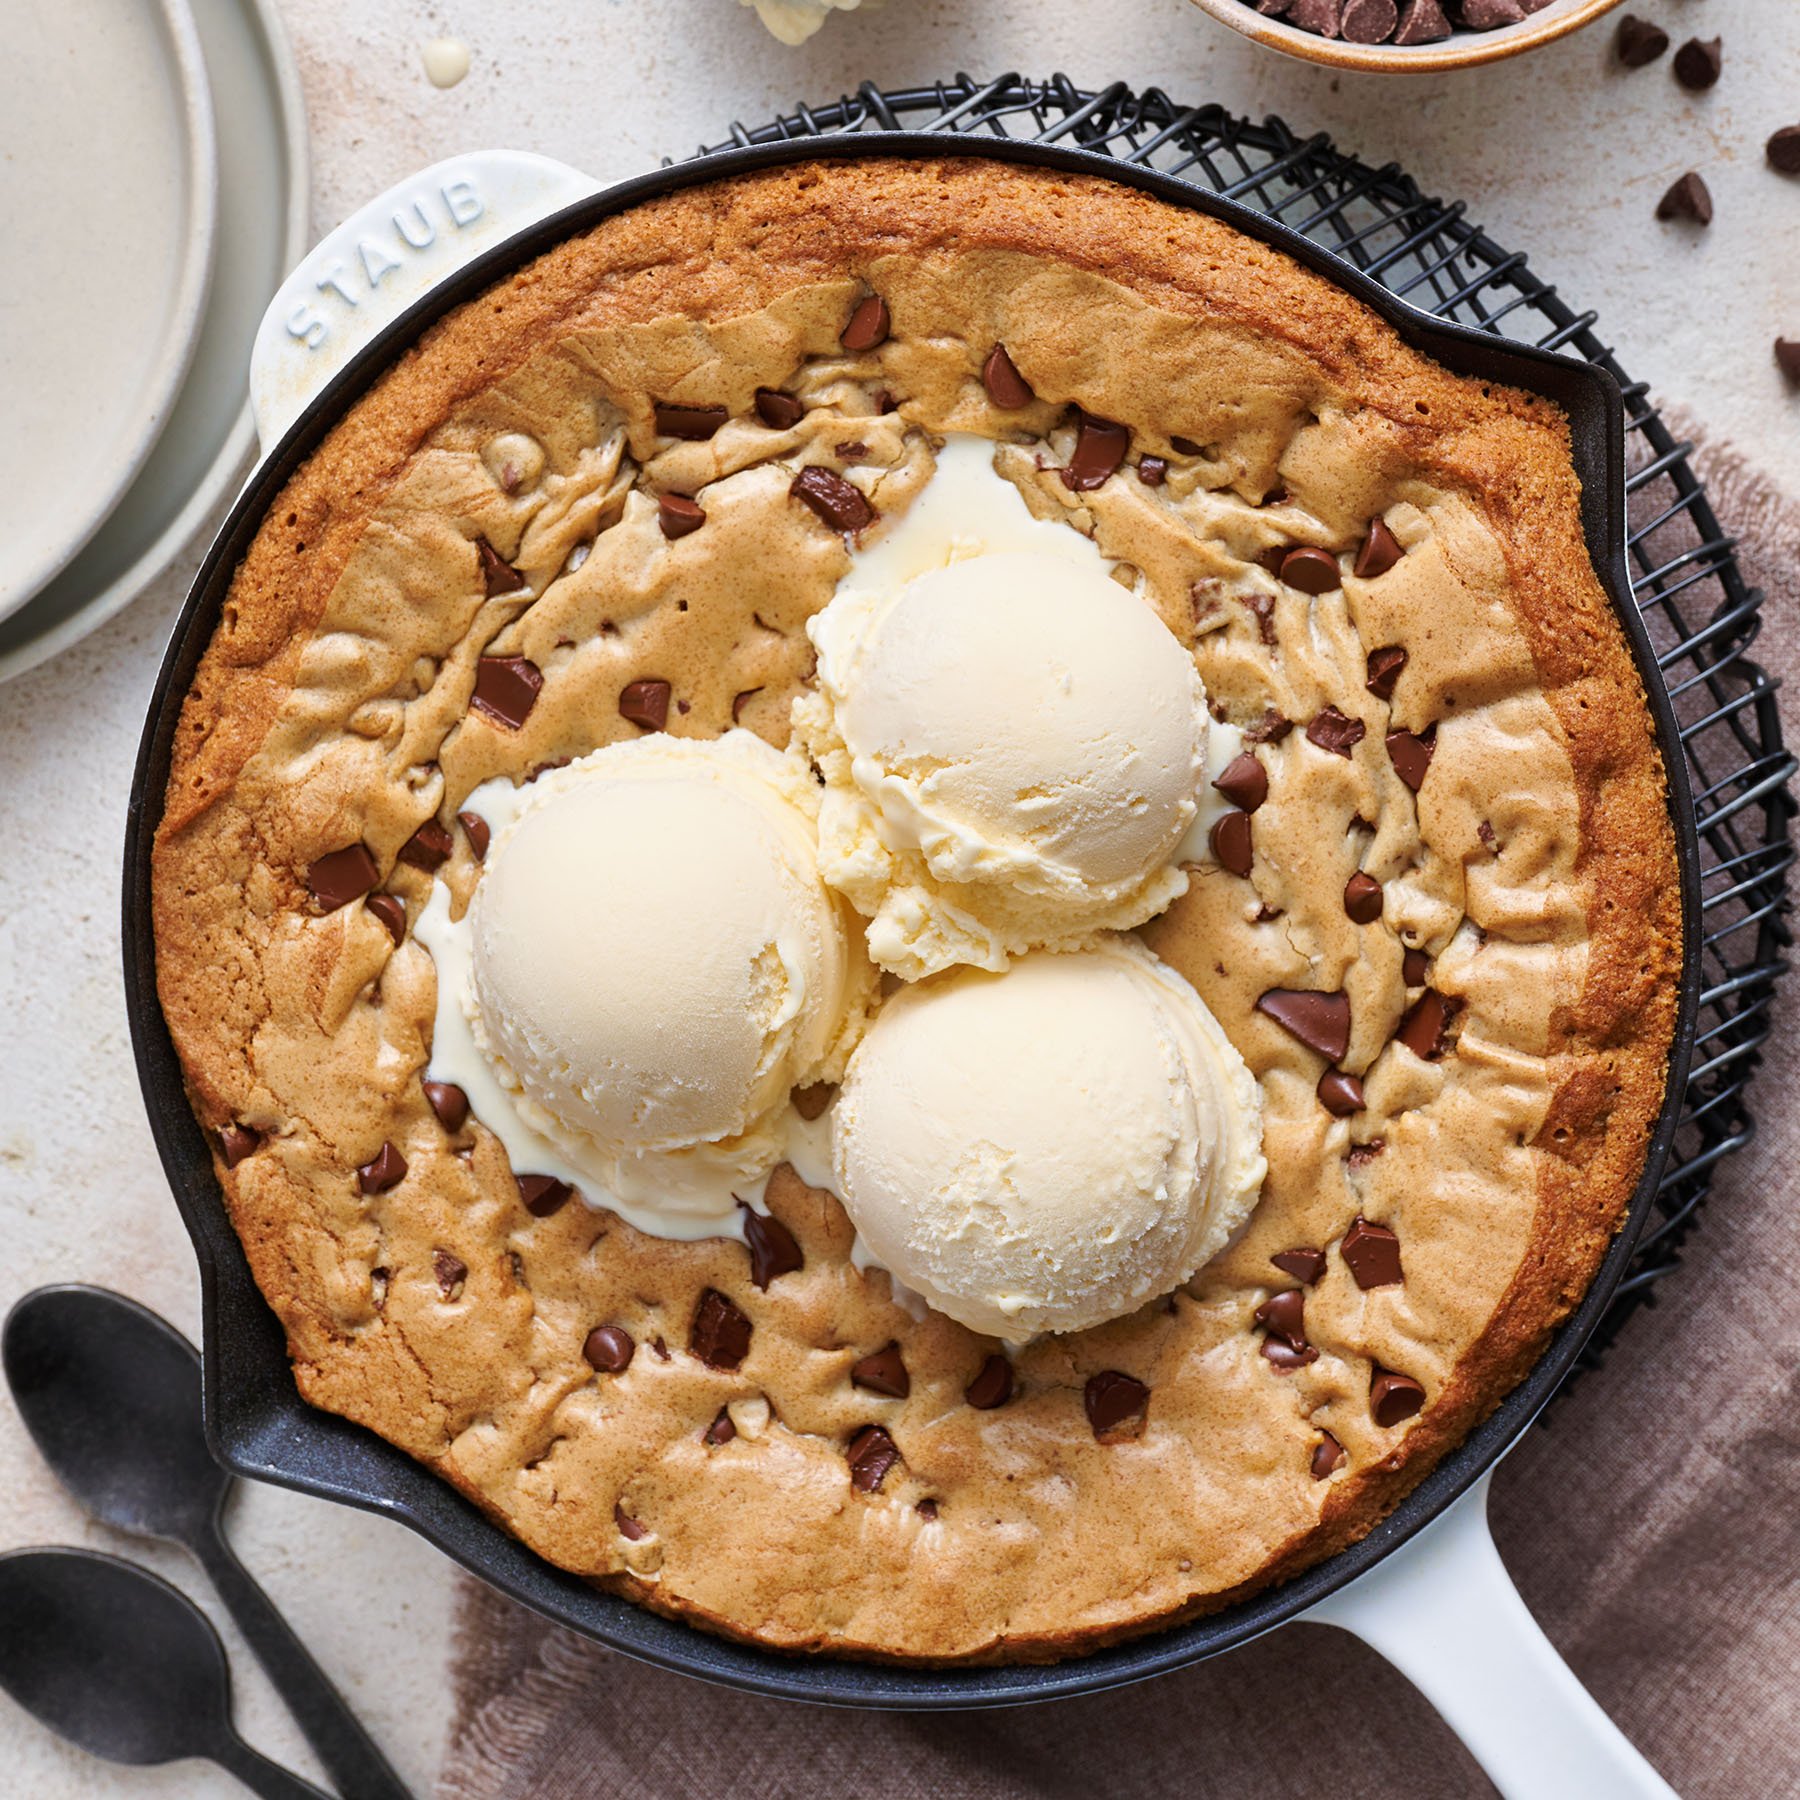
1410, 36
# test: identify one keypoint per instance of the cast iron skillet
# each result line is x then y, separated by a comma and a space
257, 1423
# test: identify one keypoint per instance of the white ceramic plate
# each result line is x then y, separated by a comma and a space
108, 190
263, 231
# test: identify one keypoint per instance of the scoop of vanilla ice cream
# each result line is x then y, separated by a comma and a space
656, 961
1048, 1148
1013, 747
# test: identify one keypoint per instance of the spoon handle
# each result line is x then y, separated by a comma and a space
358, 1769
261, 1776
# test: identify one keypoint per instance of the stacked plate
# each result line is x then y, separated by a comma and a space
154, 186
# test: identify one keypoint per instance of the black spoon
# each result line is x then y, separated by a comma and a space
111, 1394
123, 1665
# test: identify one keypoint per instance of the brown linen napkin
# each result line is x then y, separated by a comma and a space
1653, 1527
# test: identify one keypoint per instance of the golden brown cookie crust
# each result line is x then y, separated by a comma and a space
1537, 864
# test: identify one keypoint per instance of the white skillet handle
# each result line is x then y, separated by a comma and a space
1444, 1612
383, 258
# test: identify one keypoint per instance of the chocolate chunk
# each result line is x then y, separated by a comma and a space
1639, 42
1334, 731
1688, 198
1361, 1155
1006, 387
773, 1249
386, 1169
544, 1194
1100, 446
1321, 16
1310, 570
882, 1372
720, 1431
1697, 64
1394, 1398
778, 411
927, 1509
498, 576
1262, 608
1271, 728
1783, 150
1230, 841
1305, 1265
388, 909
1415, 965
428, 848
1363, 898
1422, 1029
1320, 1021
1285, 1356
1380, 551
236, 1142
1340, 1094
1421, 22
476, 828
811, 1101
1245, 782
678, 515
1328, 1457
740, 701
1115, 1402
1369, 21
840, 503
1372, 1253
1787, 357
609, 1349
1185, 447
451, 1272
720, 1335
645, 703
1152, 471
449, 1102
1384, 669
1490, 15
628, 1526
695, 423
343, 876
506, 689
1410, 753
871, 1453
868, 327
1284, 1316
992, 1386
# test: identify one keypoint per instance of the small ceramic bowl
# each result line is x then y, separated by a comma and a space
1461, 50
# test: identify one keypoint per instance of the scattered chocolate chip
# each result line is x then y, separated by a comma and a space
609, 1349
451, 1272
1783, 150
506, 689
1284, 1316
678, 515
1372, 1253
1384, 669
1787, 357
852, 452
1262, 609
1272, 558
740, 701
1639, 43
720, 1335
720, 1431
1245, 782
927, 1509
1697, 64
1380, 551
660, 1348
342, 876
778, 411
428, 848
449, 1102
386, 1169
1490, 15
628, 1526
1271, 728
871, 1453
1490, 843
1334, 731
882, 1372
1394, 1398
1285, 1356
1321, 16
544, 1194
1688, 198
236, 1142
774, 1252
476, 828
695, 423
1320, 1021
1185, 447
839, 503
1100, 446
1006, 387
1340, 1094
1115, 1402
868, 327
1415, 965
1361, 1155
992, 1386
1423, 1027
645, 703
1230, 842
1328, 1457
1152, 471
1369, 21
1422, 22
1410, 752
1310, 570
1363, 898
498, 576
1306, 1265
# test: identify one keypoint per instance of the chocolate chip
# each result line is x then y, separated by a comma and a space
1410, 753
1697, 64
1380, 551
628, 1526
506, 689
882, 1372
391, 912
1361, 1155
1369, 21
1310, 570
852, 452
1490, 15
609, 1349
720, 1335
774, 1251
778, 411
871, 1453
428, 848
927, 1509
678, 515
695, 423
740, 701
449, 1102
386, 1169
868, 327
1394, 1398
1285, 1356
1787, 357
1384, 669
1262, 608
1320, 1021
498, 576
1321, 16
1271, 728
645, 703
1152, 471
1245, 782
1284, 1316
1230, 841
1423, 1027
343, 876
1100, 446
1372, 1253
720, 1431
1334, 731
1421, 22
1328, 1457
1639, 42
1006, 387
1340, 1094
1305, 1265
1185, 447
885, 403
1783, 150
839, 503
236, 1142
476, 828
451, 1272
1115, 1402
992, 1386
660, 1348
1688, 198
1415, 965
544, 1194
1363, 898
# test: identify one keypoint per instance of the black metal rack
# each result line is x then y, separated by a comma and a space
1702, 616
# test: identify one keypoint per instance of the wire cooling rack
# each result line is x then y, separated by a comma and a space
1701, 615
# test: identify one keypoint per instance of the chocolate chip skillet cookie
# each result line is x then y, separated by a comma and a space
1357, 928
